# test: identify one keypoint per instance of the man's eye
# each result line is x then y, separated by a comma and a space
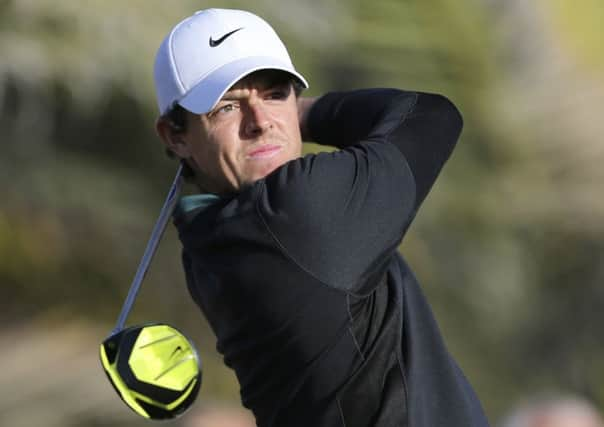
226, 108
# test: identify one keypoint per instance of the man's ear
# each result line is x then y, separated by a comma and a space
172, 138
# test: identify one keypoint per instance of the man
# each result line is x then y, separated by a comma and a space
293, 260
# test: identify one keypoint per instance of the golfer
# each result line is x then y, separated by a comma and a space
293, 260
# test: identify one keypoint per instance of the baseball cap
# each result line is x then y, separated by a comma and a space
208, 52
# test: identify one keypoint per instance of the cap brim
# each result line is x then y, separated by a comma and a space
206, 94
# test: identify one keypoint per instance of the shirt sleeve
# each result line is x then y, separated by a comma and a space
424, 127
340, 216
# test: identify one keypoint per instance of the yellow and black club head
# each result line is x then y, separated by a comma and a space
154, 368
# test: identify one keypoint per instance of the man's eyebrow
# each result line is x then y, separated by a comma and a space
234, 95
230, 97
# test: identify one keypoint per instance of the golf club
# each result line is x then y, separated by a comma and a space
153, 367
158, 230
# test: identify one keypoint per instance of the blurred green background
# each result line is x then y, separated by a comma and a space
509, 246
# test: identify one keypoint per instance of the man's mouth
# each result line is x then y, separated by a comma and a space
264, 151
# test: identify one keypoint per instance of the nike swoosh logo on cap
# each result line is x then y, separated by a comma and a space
214, 43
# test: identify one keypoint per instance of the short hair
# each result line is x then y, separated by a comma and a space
176, 117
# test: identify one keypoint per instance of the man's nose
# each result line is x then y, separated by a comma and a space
257, 118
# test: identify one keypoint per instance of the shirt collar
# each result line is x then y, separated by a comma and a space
189, 206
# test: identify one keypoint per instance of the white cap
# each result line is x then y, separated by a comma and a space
207, 53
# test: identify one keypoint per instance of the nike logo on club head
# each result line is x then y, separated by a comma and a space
214, 43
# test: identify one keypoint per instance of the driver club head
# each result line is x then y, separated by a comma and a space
154, 368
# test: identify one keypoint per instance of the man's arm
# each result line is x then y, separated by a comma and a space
341, 215
304, 106
424, 127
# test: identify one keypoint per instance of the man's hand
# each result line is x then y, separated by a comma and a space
304, 106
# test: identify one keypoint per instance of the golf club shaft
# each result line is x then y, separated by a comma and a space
156, 234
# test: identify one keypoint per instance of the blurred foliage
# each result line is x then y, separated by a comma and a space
509, 245
581, 29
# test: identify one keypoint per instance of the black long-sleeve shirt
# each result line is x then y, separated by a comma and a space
300, 278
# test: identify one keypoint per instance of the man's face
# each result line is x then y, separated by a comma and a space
253, 130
